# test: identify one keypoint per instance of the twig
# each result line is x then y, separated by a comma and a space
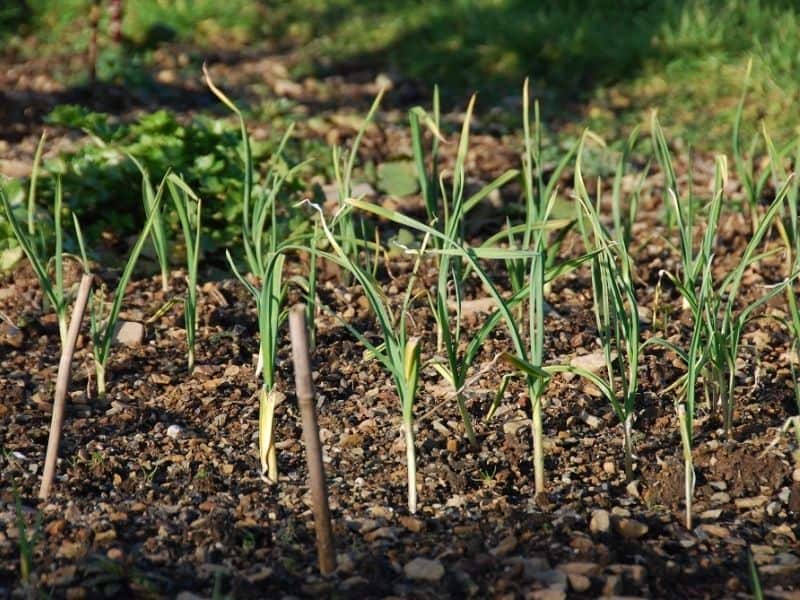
62, 384
316, 471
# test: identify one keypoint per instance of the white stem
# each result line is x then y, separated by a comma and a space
538, 445
411, 460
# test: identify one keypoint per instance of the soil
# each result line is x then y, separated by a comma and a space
159, 494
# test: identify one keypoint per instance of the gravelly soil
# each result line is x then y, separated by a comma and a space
158, 492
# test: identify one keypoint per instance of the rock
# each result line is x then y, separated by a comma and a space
593, 362
587, 569
601, 521
129, 333
578, 582
610, 467
424, 569
796, 475
711, 515
773, 508
553, 579
413, 524
720, 498
174, 431
631, 528
103, 537
531, 568
633, 489
548, 594
715, 530
11, 335
749, 503
505, 547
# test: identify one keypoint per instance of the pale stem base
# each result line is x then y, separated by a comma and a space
538, 444
411, 461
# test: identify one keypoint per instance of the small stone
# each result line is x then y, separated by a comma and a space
796, 475
610, 467
115, 554
591, 362
70, 550
601, 521
631, 528
720, 486
381, 533
715, 530
633, 489
548, 594
749, 503
578, 582
720, 498
587, 569
129, 333
174, 431
424, 569
773, 508
11, 335
711, 515
553, 579
103, 537
413, 524
381, 512
505, 547
532, 568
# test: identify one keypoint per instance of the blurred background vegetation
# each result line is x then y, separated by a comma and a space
606, 61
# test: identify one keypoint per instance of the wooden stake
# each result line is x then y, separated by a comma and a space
62, 385
316, 471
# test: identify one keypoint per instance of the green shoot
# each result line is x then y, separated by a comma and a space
615, 305
103, 320
189, 209
31, 244
399, 353
158, 233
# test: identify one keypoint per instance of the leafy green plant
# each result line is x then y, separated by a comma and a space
188, 206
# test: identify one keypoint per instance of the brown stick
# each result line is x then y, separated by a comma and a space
62, 384
316, 470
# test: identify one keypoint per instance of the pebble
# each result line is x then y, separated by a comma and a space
748, 503
505, 547
796, 475
174, 431
631, 528
609, 467
424, 569
129, 333
413, 524
601, 521
578, 582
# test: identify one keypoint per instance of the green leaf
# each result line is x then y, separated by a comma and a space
398, 178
